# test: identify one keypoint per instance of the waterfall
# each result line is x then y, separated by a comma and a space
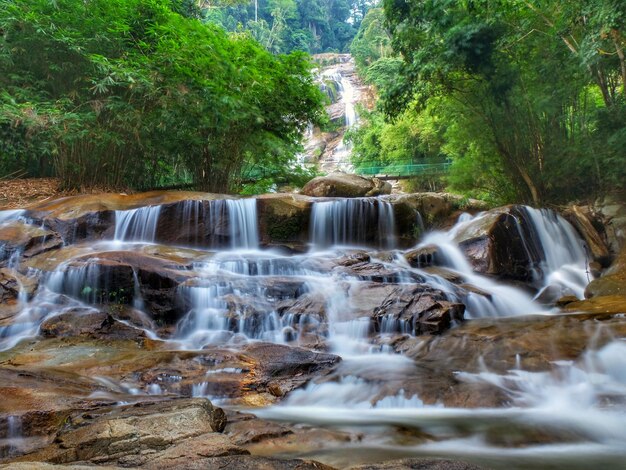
244, 229
141, 224
503, 300
358, 221
563, 261
348, 100
137, 224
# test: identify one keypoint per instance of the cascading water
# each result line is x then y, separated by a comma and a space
358, 221
339, 159
137, 224
141, 224
323, 299
563, 260
503, 300
242, 215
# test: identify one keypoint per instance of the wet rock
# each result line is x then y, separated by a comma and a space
90, 323
25, 240
531, 343
551, 295
419, 464
12, 285
344, 185
196, 452
245, 429
92, 216
496, 244
566, 300
604, 304
284, 220
582, 218
423, 257
131, 435
279, 369
377, 272
250, 462
115, 277
417, 310
613, 282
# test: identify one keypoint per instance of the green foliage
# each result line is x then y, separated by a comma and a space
133, 93
528, 96
286, 25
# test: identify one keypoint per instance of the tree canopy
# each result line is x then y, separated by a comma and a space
141, 93
526, 95
286, 25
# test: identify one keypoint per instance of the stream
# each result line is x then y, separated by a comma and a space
425, 370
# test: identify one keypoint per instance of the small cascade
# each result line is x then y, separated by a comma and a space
14, 438
244, 229
7, 216
202, 223
563, 261
358, 221
348, 100
502, 300
137, 224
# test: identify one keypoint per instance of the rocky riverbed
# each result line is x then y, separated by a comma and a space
191, 330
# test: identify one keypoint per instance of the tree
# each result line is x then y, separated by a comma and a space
487, 60
121, 93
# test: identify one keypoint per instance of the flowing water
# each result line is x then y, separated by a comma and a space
349, 96
572, 415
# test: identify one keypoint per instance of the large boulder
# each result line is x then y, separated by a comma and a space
25, 240
417, 310
284, 220
496, 244
92, 216
134, 435
345, 185
116, 277
585, 221
613, 282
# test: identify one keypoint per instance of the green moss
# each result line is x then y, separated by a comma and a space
286, 227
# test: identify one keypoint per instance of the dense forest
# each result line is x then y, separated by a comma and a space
143, 94
525, 98
286, 25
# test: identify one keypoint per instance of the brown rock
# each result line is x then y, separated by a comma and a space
87, 322
497, 244
26, 240
284, 220
132, 435
613, 282
422, 257
582, 219
344, 185
419, 464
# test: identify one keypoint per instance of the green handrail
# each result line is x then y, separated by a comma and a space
416, 169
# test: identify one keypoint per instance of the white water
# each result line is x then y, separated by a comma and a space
137, 224
563, 261
505, 300
242, 215
237, 297
141, 224
11, 215
349, 96
348, 222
